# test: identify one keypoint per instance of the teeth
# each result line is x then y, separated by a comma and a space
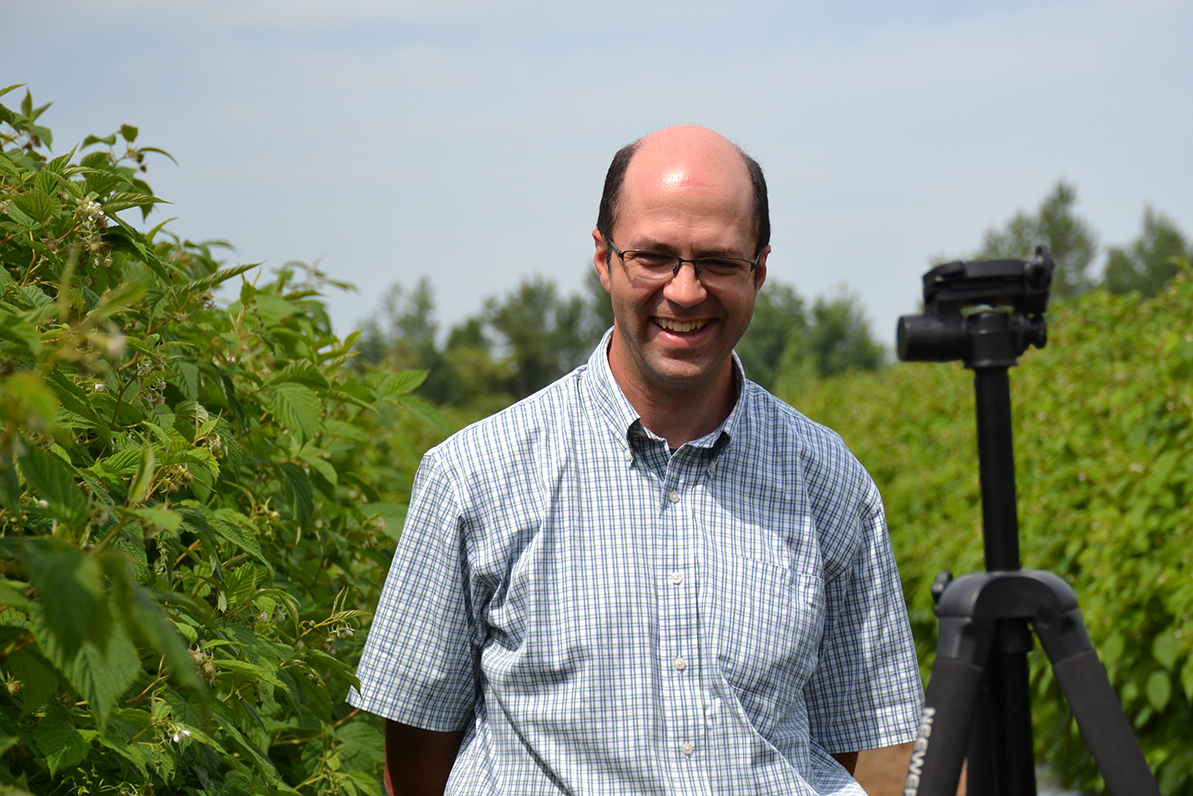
680, 326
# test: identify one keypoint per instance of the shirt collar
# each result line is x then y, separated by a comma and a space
616, 410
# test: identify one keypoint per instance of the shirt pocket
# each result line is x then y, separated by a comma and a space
768, 623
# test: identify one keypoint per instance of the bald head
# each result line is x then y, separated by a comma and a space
685, 156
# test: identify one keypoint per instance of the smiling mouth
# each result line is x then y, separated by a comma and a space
680, 327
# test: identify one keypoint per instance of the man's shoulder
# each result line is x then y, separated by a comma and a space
821, 452
772, 416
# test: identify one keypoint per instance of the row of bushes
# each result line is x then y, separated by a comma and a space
195, 499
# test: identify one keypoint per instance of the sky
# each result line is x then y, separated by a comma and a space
467, 141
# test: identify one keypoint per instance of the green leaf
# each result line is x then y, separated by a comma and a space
190, 379
102, 673
163, 518
46, 182
425, 412
28, 388
320, 465
250, 670
231, 531
17, 330
395, 385
138, 488
61, 743
37, 205
298, 408
11, 596
53, 480
1159, 690
1166, 649
10, 486
72, 604
273, 309
38, 680
392, 514
300, 493
128, 132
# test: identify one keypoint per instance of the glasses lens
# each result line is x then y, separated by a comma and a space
650, 266
715, 271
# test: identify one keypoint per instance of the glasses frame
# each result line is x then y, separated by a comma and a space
753, 264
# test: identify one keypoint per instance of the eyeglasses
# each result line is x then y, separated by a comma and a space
651, 267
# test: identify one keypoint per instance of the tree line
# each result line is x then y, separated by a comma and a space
522, 341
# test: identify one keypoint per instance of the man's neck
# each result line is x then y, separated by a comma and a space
679, 415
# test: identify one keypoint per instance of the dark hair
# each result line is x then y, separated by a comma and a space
615, 178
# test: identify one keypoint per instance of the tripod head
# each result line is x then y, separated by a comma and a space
984, 313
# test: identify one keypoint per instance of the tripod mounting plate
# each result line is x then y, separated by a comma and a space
984, 313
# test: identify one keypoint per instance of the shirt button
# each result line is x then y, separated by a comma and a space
629, 456
673, 496
687, 748
676, 578
680, 664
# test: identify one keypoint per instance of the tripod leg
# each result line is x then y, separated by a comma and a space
1009, 692
944, 728
980, 776
1105, 729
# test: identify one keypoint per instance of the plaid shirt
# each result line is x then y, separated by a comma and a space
603, 616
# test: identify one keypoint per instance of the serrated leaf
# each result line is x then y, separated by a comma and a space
38, 681
17, 330
13, 597
425, 412
189, 373
28, 388
234, 533
71, 595
273, 309
241, 582
53, 481
298, 408
300, 493
395, 385
251, 670
38, 205
61, 743
321, 466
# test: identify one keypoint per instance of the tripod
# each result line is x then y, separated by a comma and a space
977, 704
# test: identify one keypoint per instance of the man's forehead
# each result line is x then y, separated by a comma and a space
687, 157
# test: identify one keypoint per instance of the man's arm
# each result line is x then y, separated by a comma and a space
849, 760
417, 761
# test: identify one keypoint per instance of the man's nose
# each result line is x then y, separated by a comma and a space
685, 287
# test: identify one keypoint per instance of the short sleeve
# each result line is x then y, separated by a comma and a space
866, 691
419, 666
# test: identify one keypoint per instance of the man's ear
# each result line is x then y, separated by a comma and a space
760, 274
600, 259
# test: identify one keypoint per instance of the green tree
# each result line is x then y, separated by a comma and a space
1072, 242
542, 335
779, 322
1151, 261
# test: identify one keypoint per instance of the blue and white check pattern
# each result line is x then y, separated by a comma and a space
603, 617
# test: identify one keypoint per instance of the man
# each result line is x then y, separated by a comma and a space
652, 577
